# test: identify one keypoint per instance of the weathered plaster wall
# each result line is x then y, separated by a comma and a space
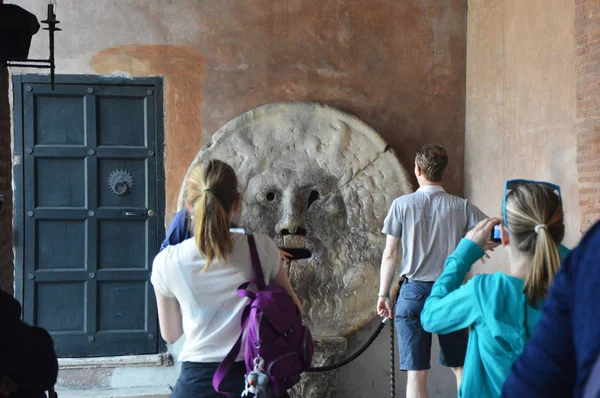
400, 66
520, 112
587, 33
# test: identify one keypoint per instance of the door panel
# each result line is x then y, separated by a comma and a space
91, 225
114, 311
59, 120
60, 182
128, 132
113, 253
61, 244
60, 307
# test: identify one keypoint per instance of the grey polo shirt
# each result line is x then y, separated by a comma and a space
429, 223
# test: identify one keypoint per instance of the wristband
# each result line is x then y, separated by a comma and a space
383, 295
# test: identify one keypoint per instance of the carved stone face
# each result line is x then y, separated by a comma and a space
320, 183
305, 213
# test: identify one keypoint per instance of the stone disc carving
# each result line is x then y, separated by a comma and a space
319, 182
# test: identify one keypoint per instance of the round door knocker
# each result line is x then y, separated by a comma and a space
120, 182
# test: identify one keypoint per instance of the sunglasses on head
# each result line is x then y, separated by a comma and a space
513, 184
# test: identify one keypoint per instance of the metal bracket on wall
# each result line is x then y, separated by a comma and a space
43, 63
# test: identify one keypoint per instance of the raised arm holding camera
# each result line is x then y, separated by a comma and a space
502, 309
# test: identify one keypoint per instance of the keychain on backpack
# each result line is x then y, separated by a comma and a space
256, 381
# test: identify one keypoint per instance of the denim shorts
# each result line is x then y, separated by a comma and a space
195, 380
414, 343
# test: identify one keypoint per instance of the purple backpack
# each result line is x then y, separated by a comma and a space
274, 332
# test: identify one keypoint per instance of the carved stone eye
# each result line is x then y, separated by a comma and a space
270, 196
312, 198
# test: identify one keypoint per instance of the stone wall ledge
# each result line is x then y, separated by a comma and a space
165, 359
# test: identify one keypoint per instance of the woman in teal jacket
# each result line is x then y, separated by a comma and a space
501, 309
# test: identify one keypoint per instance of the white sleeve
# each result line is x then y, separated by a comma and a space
269, 256
159, 275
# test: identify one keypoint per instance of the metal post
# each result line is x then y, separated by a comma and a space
52, 22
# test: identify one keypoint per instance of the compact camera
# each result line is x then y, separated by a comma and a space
496, 234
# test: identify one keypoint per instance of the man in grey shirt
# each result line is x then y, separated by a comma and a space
428, 224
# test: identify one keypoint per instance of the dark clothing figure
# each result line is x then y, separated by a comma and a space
559, 357
196, 379
27, 354
592, 389
179, 230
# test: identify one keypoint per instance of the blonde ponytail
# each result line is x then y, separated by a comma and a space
211, 189
535, 221
546, 262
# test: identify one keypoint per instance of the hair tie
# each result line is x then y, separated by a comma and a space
540, 226
206, 190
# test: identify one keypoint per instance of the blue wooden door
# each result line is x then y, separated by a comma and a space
91, 165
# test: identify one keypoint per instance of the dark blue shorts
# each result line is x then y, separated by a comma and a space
414, 343
195, 380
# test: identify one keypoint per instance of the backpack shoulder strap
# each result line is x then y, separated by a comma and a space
257, 273
229, 360
259, 281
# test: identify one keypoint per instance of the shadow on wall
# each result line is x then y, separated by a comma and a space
6, 231
184, 71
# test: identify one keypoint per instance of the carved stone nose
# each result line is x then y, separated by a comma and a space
290, 226
292, 229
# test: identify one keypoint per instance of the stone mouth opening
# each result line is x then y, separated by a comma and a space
297, 253
299, 232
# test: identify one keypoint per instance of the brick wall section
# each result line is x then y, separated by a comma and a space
587, 36
6, 228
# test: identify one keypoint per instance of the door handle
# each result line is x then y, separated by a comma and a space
149, 213
134, 213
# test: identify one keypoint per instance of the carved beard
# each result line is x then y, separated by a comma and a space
344, 260
327, 282
312, 279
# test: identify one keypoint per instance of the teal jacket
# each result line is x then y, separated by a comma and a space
495, 308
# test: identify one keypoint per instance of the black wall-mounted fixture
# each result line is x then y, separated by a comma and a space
17, 27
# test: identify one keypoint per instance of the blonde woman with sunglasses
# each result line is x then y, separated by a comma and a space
501, 309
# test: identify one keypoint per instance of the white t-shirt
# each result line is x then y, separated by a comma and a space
210, 307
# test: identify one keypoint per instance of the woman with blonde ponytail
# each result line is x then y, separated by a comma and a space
195, 282
502, 309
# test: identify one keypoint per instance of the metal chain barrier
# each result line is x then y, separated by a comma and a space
364, 348
353, 357
392, 361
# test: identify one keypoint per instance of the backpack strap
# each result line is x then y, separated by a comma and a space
257, 273
259, 281
230, 358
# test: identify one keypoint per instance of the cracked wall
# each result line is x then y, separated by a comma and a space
399, 66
